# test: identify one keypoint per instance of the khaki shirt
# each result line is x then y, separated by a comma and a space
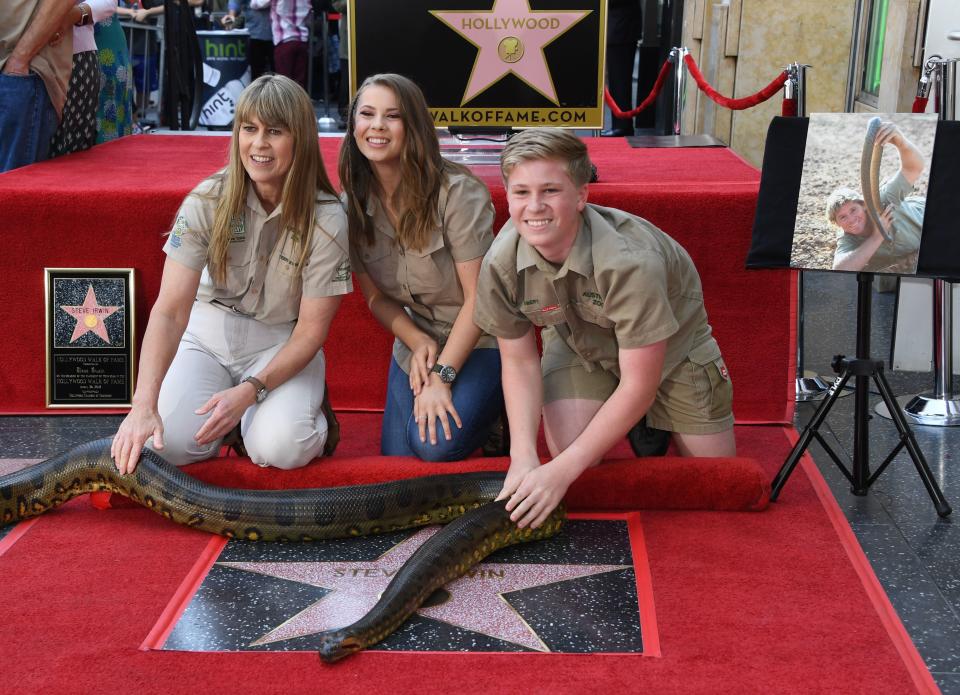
625, 284
425, 281
907, 225
262, 281
52, 63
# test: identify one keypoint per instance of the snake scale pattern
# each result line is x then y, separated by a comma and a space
870, 161
475, 525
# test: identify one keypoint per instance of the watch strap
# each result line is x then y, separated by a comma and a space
261, 388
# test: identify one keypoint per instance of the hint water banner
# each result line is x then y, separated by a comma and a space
225, 73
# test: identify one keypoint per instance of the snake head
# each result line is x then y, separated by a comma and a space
335, 645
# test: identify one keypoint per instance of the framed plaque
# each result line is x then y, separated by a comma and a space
89, 337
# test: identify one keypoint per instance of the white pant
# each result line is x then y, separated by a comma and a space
217, 350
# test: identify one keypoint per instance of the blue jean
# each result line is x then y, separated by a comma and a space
477, 396
27, 121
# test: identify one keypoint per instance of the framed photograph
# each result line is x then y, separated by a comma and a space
89, 337
863, 192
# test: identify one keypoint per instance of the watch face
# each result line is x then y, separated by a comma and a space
448, 374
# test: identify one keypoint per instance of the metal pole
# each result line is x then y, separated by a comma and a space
854, 57
807, 388
679, 86
325, 120
942, 407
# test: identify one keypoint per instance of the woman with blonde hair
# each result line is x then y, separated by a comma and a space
257, 264
419, 227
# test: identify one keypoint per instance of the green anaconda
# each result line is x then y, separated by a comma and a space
476, 526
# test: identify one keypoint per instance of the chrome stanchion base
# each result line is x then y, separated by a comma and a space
924, 409
811, 388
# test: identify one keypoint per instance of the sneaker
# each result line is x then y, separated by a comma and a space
648, 441
333, 425
498, 439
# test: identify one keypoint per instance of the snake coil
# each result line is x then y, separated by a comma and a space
477, 525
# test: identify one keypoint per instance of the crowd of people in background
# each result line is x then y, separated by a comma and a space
72, 76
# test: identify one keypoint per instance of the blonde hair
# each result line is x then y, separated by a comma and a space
838, 199
548, 143
275, 101
422, 169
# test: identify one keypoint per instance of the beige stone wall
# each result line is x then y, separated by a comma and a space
742, 45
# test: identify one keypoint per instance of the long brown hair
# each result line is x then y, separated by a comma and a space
422, 168
275, 101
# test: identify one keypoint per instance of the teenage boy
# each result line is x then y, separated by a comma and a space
625, 335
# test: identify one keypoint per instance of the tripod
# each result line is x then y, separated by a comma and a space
862, 368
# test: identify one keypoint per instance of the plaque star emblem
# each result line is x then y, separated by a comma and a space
476, 601
90, 316
510, 38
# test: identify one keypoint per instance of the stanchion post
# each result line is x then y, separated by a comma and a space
810, 388
677, 55
942, 407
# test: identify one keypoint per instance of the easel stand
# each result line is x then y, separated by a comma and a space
862, 369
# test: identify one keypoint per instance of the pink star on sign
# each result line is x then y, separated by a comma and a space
90, 316
511, 38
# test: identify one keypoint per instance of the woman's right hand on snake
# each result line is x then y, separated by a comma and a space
140, 424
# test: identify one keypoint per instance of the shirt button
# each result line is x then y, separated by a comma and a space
404, 288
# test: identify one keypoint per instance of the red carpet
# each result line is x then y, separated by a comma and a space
129, 190
745, 602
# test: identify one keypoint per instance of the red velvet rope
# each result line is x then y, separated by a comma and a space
651, 97
920, 104
735, 104
789, 108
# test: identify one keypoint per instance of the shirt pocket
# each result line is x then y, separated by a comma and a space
428, 268
592, 314
547, 316
238, 266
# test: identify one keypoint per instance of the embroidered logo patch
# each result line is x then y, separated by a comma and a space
238, 231
528, 302
594, 298
343, 272
179, 227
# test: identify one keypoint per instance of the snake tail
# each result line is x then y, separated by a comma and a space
258, 515
445, 556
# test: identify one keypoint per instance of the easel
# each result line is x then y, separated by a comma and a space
863, 368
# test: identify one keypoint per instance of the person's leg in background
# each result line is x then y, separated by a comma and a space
28, 121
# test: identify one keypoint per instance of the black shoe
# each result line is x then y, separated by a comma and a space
233, 440
333, 425
647, 441
498, 439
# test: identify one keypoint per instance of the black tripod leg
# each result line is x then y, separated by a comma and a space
808, 433
903, 427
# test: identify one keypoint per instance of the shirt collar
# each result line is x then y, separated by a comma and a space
381, 222
253, 202
579, 260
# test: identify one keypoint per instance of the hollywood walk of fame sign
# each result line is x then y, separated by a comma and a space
576, 592
488, 63
89, 337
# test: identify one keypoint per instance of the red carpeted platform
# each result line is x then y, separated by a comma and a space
780, 601
109, 206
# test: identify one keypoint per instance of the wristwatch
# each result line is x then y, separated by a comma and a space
86, 17
447, 373
258, 385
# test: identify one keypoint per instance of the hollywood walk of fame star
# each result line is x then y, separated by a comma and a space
476, 600
90, 316
510, 38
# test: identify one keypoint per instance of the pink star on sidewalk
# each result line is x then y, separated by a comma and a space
511, 38
90, 316
476, 600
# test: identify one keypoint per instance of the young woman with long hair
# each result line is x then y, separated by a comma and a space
419, 227
257, 263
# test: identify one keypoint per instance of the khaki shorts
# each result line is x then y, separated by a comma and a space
692, 399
